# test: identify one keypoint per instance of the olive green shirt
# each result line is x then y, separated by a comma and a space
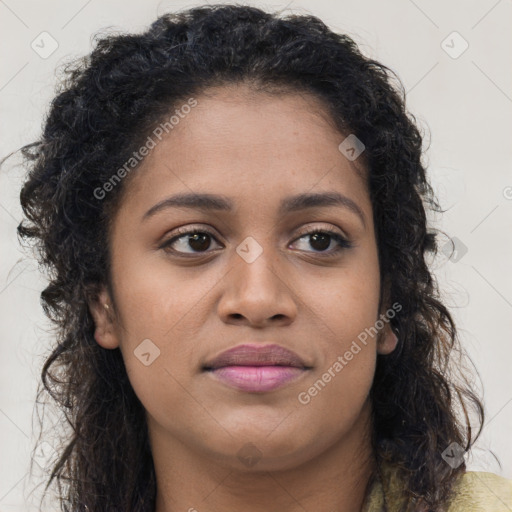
475, 491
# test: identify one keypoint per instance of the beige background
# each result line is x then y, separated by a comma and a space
465, 103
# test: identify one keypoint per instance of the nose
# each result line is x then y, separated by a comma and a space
258, 293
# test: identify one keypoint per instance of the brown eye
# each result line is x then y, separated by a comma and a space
189, 242
321, 240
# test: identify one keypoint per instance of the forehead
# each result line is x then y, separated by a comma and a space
231, 118
251, 145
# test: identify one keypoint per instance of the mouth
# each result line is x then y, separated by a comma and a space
256, 368
257, 379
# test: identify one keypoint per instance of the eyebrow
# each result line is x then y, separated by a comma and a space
212, 202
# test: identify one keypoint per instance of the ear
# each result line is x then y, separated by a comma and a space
103, 314
387, 340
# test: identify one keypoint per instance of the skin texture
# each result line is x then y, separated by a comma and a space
255, 149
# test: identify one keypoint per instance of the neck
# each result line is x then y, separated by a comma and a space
334, 480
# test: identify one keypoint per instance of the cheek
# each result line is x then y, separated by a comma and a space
348, 311
156, 298
343, 379
155, 315
333, 405
154, 306
348, 300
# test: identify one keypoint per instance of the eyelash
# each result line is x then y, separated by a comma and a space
343, 243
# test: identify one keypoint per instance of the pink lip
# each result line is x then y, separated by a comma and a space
255, 379
255, 367
256, 354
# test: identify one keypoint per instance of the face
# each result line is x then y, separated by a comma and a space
190, 282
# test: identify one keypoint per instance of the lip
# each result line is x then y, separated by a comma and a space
256, 368
257, 379
256, 355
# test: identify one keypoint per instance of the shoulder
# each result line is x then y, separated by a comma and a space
479, 491
474, 491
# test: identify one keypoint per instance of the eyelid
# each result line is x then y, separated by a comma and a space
344, 242
186, 230
329, 228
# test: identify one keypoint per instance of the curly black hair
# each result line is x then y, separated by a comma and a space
107, 104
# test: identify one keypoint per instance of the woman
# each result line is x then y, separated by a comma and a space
231, 206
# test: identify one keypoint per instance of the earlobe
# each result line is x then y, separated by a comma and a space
387, 342
103, 315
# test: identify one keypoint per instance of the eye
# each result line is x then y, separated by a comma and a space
199, 240
321, 240
194, 241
